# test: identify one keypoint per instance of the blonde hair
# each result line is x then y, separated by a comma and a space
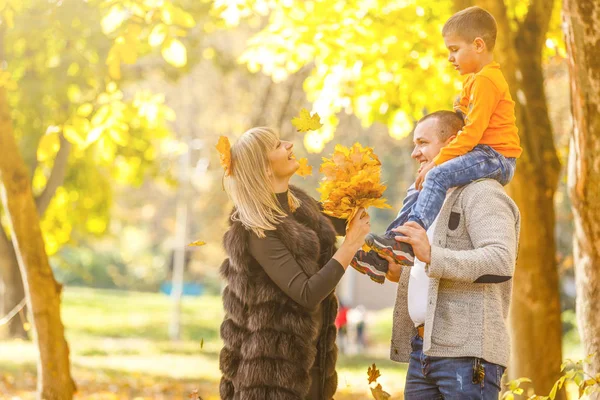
249, 185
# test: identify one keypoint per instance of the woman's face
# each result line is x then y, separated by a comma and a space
283, 161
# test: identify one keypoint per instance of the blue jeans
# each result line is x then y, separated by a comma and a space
481, 162
449, 378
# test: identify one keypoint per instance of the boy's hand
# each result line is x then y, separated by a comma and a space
422, 172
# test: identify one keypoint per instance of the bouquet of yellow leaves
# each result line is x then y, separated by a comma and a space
352, 180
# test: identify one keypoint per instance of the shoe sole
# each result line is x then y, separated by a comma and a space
400, 257
367, 271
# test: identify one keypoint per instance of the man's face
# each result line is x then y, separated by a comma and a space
461, 54
427, 141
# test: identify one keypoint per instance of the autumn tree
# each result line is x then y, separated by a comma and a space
582, 38
61, 106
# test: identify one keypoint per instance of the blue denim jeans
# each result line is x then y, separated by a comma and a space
449, 378
481, 162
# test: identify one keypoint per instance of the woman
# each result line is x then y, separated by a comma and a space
278, 331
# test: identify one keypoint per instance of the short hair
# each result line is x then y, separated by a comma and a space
449, 123
471, 23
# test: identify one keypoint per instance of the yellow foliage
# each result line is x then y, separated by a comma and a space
174, 53
305, 122
379, 394
224, 149
352, 180
305, 169
197, 243
373, 373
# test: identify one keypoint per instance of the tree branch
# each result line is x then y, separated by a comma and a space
532, 31
57, 176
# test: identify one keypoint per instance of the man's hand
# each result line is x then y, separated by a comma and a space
394, 270
416, 236
422, 172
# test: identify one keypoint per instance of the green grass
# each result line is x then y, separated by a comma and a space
121, 339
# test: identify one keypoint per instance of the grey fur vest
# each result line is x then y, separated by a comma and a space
268, 338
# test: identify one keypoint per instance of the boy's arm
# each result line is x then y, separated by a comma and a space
485, 96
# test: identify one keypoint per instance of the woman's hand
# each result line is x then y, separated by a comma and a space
358, 228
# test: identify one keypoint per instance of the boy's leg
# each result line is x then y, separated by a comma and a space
481, 162
408, 203
386, 245
371, 264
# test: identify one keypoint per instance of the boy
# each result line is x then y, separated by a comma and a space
487, 146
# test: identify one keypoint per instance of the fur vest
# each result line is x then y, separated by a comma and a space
268, 338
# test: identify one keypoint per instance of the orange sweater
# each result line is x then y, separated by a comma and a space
490, 116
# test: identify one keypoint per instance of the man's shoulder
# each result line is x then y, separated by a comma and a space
482, 190
482, 185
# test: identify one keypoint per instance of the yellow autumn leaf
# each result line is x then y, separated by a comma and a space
174, 52
305, 122
158, 35
224, 149
373, 373
48, 146
352, 180
197, 243
304, 169
379, 394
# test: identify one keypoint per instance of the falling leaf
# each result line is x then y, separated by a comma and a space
304, 169
305, 122
201, 343
379, 394
373, 373
26, 326
224, 149
197, 243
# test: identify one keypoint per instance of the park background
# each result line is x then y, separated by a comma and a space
109, 114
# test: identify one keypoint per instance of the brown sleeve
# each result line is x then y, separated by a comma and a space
286, 273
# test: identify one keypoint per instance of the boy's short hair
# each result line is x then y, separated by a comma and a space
448, 123
471, 23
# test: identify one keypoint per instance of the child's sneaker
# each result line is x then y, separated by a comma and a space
371, 264
401, 252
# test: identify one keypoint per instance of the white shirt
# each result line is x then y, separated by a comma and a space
418, 283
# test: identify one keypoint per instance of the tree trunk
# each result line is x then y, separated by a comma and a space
535, 321
13, 286
582, 18
42, 291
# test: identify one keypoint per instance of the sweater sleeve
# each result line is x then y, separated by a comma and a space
484, 100
286, 273
492, 225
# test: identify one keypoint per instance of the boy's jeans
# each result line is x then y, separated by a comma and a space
451, 378
481, 162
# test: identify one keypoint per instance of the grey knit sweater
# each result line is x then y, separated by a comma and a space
473, 256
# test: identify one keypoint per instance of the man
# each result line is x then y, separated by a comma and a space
452, 305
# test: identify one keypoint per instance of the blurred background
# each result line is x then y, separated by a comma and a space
116, 107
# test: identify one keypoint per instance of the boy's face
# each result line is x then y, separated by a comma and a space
464, 56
